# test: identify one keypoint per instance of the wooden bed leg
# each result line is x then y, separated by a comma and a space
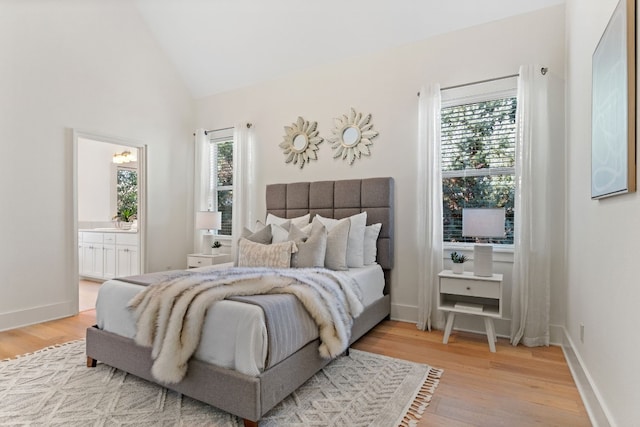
346, 353
91, 362
248, 423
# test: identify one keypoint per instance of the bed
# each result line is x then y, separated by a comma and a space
250, 396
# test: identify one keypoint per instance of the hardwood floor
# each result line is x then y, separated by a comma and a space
516, 386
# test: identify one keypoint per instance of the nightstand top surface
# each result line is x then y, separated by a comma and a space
470, 276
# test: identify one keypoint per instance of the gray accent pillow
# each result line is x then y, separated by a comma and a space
311, 248
263, 235
337, 239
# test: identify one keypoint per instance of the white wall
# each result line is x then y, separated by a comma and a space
602, 239
88, 65
96, 180
385, 85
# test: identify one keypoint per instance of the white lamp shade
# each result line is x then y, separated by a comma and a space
483, 222
207, 220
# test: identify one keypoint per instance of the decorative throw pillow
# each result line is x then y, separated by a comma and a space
311, 248
299, 222
278, 255
337, 238
371, 233
260, 235
355, 247
280, 232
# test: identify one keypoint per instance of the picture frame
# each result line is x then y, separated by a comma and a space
613, 132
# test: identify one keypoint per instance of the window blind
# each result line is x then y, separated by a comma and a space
478, 161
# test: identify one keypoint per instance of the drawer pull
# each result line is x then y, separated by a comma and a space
468, 288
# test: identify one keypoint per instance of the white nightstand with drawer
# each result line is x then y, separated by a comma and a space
203, 260
468, 294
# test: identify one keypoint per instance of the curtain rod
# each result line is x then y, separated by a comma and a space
480, 81
543, 71
206, 132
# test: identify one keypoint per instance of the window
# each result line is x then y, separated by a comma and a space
220, 194
126, 192
478, 158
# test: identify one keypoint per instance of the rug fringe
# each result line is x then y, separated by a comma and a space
51, 347
422, 398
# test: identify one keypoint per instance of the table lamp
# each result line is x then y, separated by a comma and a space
207, 220
483, 223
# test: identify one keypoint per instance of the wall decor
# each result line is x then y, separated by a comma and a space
352, 136
613, 132
301, 142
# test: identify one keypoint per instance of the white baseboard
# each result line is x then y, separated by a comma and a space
30, 316
597, 410
404, 313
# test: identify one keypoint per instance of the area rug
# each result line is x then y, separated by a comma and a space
54, 387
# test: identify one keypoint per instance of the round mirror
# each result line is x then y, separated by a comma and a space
300, 142
350, 136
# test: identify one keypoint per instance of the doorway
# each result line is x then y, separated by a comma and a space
109, 212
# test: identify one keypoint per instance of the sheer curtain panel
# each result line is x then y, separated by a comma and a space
429, 198
200, 181
530, 302
243, 178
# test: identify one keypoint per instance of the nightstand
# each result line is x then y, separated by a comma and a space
468, 294
202, 260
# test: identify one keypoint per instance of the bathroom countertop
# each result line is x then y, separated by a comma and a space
108, 230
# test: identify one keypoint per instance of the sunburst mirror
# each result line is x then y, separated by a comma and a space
301, 141
352, 136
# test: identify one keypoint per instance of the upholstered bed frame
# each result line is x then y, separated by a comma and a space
252, 397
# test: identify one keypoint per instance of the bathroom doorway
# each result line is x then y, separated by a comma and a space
110, 211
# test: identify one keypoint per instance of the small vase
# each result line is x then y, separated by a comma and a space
457, 268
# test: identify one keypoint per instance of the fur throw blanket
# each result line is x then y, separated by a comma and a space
170, 315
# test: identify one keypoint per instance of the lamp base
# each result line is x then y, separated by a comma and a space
207, 242
483, 260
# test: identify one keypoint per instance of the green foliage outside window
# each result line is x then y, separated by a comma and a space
478, 163
222, 183
127, 194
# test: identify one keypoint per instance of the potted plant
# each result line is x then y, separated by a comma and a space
215, 247
458, 262
124, 218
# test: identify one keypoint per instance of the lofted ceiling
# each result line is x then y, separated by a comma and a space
220, 45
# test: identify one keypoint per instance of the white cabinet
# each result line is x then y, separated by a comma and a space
91, 255
108, 255
468, 294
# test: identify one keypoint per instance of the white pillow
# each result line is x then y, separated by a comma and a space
299, 222
355, 245
371, 233
280, 232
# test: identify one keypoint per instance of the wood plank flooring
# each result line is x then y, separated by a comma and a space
516, 386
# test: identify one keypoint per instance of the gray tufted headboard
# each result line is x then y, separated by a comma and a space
340, 199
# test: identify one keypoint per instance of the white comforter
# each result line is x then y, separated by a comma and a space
244, 332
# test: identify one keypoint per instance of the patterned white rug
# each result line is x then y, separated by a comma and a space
54, 387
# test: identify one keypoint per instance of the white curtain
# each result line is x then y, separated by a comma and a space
429, 201
243, 180
532, 260
201, 181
